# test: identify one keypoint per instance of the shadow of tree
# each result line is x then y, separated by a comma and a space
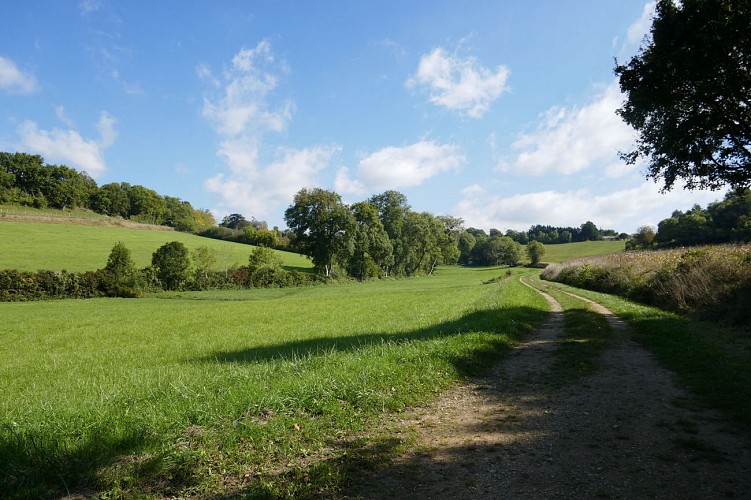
512, 322
36, 465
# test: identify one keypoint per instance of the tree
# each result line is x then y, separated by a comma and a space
501, 250
234, 221
372, 250
589, 232
204, 260
171, 262
535, 251
688, 94
466, 243
146, 205
322, 226
112, 199
263, 264
392, 209
179, 214
120, 273
644, 238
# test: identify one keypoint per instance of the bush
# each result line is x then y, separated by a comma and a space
171, 263
707, 282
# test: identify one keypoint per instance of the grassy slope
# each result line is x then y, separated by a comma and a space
238, 382
30, 246
568, 251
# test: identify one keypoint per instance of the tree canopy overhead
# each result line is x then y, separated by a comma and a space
688, 94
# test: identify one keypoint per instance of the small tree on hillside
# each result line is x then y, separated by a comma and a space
119, 275
535, 251
171, 262
263, 265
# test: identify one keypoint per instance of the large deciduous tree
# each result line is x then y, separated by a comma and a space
172, 264
372, 251
322, 226
688, 94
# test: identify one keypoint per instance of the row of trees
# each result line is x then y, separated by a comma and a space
554, 235
173, 267
723, 221
26, 180
382, 236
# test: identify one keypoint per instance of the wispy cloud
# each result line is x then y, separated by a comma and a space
632, 207
399, 167
239, 106
69, 147
239, 102
570, 140
458, 84
13, 80
259, 191
640, 28
88, 6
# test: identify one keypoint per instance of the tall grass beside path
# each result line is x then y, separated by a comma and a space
191, 397
711, 282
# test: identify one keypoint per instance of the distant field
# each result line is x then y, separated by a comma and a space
30, 246
568, 251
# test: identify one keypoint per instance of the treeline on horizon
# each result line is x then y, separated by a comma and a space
725, 221
27, 181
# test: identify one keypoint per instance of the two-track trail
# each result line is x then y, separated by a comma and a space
625, 431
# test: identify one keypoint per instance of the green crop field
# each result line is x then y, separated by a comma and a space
568, 251
30, 246
197, 392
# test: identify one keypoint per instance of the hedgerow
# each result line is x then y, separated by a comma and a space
712, 282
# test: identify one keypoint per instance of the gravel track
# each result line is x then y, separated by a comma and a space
627, 431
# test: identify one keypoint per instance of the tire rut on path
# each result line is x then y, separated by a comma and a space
626, 431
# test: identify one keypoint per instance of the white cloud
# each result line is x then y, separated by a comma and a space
397, 167
460, 84
239, 107
63, 116
14, 80
89, 6
641, 26
343, 183
571, 140
69, 147
622, 210
263, 191
239, 104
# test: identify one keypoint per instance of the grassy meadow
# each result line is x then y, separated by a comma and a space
235, 391
31, 246
568, 251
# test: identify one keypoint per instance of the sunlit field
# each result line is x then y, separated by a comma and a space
30, 246
197, 392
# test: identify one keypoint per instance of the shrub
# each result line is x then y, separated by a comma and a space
708, 282
171, 262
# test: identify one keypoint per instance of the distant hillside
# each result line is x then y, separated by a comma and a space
77, 243
568, 251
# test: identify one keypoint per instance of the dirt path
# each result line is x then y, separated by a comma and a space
626, 431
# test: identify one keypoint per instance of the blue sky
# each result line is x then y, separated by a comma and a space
499, 112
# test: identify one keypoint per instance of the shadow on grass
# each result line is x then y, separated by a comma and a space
512, 322
714, 362
41, 464
35, 465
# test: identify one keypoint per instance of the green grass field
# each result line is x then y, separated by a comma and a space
30, 246
568, 251
197, 392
